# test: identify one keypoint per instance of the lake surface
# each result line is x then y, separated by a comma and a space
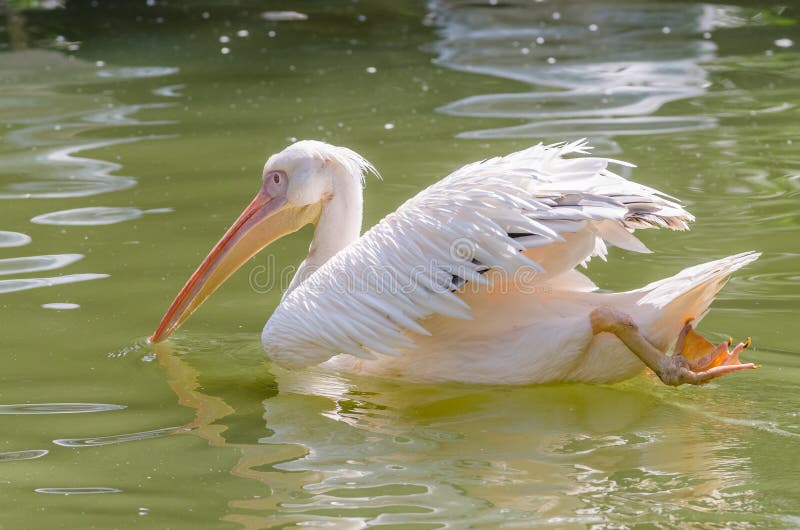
132, 134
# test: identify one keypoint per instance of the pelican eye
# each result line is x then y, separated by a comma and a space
275, 178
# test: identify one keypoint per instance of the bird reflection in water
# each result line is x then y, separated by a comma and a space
391, 453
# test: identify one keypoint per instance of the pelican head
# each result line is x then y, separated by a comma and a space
296, 186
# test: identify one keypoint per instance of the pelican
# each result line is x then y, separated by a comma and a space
474, 279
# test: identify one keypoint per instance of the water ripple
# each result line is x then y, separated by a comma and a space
60, 306
118, 438
169, 91
58, 408
283, 16
93, 215
597, 127
37, 263
581, 444
123, 115
30, 454
606, 71
78, 491
138, 72
50, 131
23, 284
73, 176
46, 164
13, 239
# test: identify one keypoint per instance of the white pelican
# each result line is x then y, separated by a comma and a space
473, 279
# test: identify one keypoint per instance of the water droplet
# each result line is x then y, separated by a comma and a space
525, 51
556, 15
225, 51
224, 39
206, 15
388, 126
666, 30
371, 69
242, 33
271, 33
707, 35
539, 40
593, 27
551, 60
784, 43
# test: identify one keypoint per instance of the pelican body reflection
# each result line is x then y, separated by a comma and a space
352, 451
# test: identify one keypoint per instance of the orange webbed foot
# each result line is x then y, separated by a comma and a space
697, 361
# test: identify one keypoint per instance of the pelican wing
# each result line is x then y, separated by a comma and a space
533, 211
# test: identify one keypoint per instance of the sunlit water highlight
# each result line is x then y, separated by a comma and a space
60, 306
58, 408
13, 239
93, 215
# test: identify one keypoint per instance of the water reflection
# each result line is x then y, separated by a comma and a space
13, 239
60, 306
169, 91
94, 215
353, 452
23, 284
41, 152
44, 161
58, 408
37, 263
78, 491
118, 438
597, 70
15, 456
138, 72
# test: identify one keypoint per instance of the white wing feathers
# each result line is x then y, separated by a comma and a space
501, 213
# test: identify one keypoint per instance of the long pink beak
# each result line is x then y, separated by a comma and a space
262, 222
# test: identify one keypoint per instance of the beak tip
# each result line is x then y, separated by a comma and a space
158, 335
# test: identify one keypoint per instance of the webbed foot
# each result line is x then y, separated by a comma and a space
697, 361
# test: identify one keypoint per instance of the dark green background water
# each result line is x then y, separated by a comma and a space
135, 111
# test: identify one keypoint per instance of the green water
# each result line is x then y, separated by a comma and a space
134, 111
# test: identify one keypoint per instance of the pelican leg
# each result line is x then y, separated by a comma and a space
695, 361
